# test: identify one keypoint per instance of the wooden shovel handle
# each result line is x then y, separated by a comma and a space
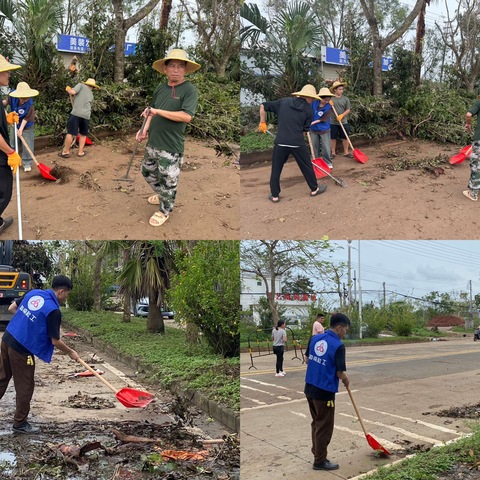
343, 128
311, 145
356, 411
106, 382
25, 144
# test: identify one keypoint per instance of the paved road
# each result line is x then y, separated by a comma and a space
396, 388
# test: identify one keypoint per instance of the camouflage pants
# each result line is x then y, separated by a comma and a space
474, 183
161, 170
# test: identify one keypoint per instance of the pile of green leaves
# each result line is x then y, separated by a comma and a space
171, 360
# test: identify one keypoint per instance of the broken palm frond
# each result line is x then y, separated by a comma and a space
183, 455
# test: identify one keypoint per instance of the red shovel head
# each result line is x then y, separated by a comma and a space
320, 163
458, 158
45, 171
359, 156
131, 398
376, 445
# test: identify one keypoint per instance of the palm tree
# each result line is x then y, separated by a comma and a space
146, 273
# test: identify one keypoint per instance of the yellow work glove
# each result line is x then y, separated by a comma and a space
14, 161
67, 89
12, 118
262, 127
339, 117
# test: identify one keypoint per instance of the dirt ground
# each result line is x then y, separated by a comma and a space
89, 203
406, 190
83, 429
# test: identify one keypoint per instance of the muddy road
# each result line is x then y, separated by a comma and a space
89, 201
406, 190
411, 398
87, 434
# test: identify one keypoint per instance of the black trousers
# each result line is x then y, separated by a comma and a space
278, 351
6, 185
280, 157
323, 419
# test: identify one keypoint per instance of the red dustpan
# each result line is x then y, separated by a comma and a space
128, 397
323, 169
460, 157
44, 170
371, 441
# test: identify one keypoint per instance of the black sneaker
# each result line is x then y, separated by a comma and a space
25, 428
326, 465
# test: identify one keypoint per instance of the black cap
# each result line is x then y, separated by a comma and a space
62, 281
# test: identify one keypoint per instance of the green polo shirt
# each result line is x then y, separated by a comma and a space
165, 134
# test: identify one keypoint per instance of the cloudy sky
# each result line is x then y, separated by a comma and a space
414, 267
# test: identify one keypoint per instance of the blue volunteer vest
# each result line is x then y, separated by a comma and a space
29, 324
318, 113
321, 369
22, 110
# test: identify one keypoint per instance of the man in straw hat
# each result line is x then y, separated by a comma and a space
342, 106
20, 101
9, 158
79, 116
294, 117
173, 105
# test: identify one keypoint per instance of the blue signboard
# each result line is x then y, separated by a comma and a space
130, 48
70, 43
336, 56
387, 64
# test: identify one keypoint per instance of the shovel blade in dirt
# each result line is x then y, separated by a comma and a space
460, 157
132, 398
359, 156
376, 445
320, 162
44, 170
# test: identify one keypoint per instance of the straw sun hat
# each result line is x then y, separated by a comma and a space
23, 90
325, 92
6, 66
307, 91
91, 83
177, 54
337, 84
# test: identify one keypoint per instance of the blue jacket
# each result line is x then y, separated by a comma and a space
29, 324
321, 368
22, 110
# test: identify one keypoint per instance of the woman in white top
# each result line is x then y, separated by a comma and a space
279, 338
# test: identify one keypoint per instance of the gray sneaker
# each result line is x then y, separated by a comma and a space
25, 427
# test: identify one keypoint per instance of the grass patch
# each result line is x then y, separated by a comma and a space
428, 466
256, 142
168, 355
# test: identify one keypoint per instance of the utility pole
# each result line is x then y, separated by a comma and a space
384, 296
359, 293
471, 299
349, 273
355, 285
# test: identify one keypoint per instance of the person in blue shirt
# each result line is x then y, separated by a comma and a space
33, 331
326, 366
320, 126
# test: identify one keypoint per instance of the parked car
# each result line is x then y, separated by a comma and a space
141, 310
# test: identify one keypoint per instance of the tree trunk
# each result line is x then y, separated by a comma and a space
155, 323
97, 285
165, 14
419, 42
127, 306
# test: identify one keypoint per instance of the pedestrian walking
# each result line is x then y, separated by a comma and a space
474, 184
318, 324
21, 101
326, 365
9, 159
279, 338
33, 331
173, 106
294, 115
78, 120
342, 107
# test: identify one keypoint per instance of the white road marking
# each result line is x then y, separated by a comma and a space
420, 422
280, 397
388, 445
254, 400
397, 429
265, 384
299, 414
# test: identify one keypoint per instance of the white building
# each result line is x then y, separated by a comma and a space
296, 305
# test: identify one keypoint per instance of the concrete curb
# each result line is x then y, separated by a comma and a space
226, 416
